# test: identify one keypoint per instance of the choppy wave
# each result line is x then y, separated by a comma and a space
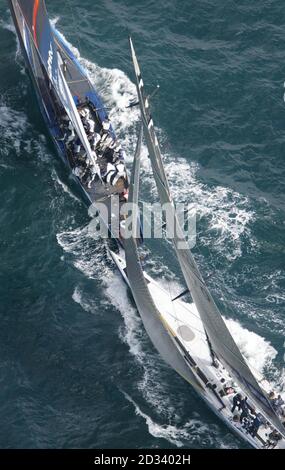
64, 187
89, 305
192, 433
87, 254
17, 135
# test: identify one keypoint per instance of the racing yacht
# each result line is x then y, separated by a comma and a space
193, 338
72, 109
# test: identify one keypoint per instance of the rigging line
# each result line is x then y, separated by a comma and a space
230, 308
241, 360
237, 358
203, 283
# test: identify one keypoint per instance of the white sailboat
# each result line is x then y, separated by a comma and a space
193, 338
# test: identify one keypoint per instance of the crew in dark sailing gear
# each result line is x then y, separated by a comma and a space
92, 175
254, 427
236, 402
273, 439
114, 173
110, 173
106, 141
245, 416
108, 155
77, 147
244, 405
79, 171
121, 155
277, 404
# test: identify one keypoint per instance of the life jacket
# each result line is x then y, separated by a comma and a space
106, 125
90, 124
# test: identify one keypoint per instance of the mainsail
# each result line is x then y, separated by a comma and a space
154, 325
219, 336
72, 112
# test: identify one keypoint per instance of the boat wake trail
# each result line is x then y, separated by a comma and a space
166, 417
170, 432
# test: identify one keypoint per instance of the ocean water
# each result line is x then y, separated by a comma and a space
76, 367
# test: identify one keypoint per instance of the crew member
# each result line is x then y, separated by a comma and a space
71, 135
236, 402
106, 125
254, 427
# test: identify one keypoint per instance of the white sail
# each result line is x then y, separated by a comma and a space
162, 339
73, 114
219, 336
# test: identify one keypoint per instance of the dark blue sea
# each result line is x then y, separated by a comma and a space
77, 369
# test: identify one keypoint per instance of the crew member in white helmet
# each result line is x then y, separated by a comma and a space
72, 134
94, 140
90, 125
106, 125
84, 113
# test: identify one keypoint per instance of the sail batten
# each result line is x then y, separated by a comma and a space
219, 336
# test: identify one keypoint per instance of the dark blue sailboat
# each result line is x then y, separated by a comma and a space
73, 111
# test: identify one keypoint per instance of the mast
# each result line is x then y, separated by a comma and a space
159, 332
222, 343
